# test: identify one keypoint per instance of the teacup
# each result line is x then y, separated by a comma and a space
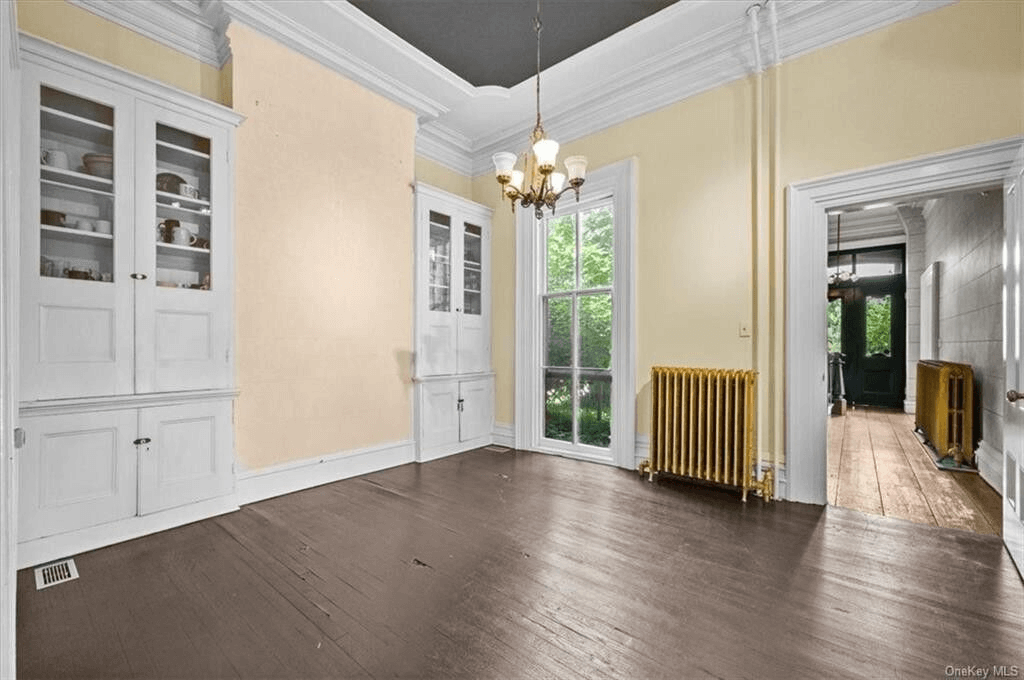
182, 236
54, 158
104, 227
85, 225
188, 190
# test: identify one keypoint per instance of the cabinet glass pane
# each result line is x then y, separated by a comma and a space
558, 332
183, 207
76, 187
596, 248
472, 274
439, 269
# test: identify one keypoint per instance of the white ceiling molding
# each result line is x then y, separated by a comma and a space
187, 26
882, 225
447, 147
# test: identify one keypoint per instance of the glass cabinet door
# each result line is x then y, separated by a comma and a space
439, 276
76, 187
183, 237
472, 269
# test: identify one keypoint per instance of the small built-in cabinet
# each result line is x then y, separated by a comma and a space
83, 469
125, 292
455, 386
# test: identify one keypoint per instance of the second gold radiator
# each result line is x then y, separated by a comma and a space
944, 412
702, 426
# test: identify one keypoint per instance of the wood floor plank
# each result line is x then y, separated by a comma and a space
858, 488
836, 431
898, 486
525, 566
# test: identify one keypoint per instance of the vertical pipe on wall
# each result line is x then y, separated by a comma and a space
773, 385
753, 20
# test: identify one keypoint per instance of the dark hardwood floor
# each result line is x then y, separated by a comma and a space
519, 565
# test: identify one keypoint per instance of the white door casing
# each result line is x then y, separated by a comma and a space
1013, 351
618, 181
984, 165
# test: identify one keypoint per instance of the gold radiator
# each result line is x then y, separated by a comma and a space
945, 408
702, 426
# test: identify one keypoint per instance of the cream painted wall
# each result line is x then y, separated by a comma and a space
947, 79
81, 30
324, 230
435, 174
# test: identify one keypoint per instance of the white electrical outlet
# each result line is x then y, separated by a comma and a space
744, 330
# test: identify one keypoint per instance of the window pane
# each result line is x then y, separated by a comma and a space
558, 405
558, 332
595, 398
597, 248
880, 263
879, 325
561, 254
835, 325
439, 264
595, 331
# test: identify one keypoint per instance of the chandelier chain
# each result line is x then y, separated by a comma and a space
537, 27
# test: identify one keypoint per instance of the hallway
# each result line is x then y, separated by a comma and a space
877, 465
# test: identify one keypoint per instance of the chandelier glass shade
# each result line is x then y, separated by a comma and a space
537, 184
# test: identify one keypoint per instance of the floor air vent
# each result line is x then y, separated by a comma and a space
55, 572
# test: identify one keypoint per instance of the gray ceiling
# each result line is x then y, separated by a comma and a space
491, 42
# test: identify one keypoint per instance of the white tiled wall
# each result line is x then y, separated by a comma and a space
965, 234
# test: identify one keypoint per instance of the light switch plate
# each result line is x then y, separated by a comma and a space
744, 330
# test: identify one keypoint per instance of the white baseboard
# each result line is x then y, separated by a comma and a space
258, 485
504, 434
910, 406
990, 465
49, 548
642, 450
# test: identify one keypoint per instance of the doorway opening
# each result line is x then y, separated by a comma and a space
878, 256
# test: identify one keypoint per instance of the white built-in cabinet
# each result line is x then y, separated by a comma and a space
126, 369
454, 382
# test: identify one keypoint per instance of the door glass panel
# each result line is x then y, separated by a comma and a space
878, 325
596, 248
184, 204
472, 269
76, 188
439, 276
595, 332
558, 332
835, 325
561, 254
558, 405
595, 400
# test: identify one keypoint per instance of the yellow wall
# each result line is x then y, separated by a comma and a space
947, 79
324, 228
83, 31
441, 177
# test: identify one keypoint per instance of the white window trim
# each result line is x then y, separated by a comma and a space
618, 181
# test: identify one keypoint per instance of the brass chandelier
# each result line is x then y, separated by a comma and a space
543, 186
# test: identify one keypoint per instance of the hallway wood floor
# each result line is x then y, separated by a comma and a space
877, 465
519, 565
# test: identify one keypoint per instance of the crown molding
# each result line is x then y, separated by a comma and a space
714, 59
270, 21
190, 27
445, 146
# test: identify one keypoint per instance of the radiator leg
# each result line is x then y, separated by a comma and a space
744, 494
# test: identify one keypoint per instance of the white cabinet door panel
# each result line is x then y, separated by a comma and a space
477, 413
188, 457
76, 471
439, 422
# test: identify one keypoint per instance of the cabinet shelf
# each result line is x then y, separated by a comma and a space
73, 178
179, 249
59, 122
195, 206
70, 192
74, 235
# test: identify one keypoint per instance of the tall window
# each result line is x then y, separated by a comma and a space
577, 311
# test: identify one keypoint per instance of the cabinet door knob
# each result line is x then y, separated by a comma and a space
1014, 395
139, 277
142, 440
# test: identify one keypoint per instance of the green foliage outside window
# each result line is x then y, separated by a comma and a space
835, 325
879, 325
